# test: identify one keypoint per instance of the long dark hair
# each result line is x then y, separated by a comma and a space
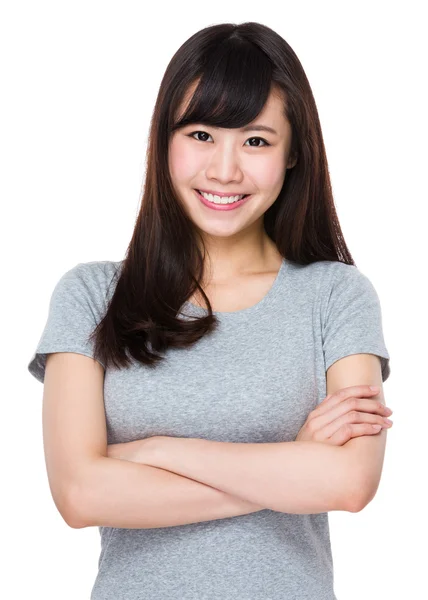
235, 68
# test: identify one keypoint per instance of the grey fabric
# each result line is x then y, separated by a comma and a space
254, 380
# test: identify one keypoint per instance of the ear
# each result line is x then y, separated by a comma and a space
292, 160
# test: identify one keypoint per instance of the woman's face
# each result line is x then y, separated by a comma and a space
231, 161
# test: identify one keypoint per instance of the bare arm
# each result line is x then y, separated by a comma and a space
293, 477
93, 489
119, 493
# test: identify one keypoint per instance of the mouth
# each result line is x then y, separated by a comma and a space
221, 206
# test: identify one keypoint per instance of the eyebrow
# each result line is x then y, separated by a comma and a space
255, 128
259, 128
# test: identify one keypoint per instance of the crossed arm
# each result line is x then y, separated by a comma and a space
193, 480
186, 480
294, 477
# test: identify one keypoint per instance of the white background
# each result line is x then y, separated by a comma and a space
79, 82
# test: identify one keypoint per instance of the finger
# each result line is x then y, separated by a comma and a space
360, 410
341, 411
356, 391
344, 434
329, 422
371, 406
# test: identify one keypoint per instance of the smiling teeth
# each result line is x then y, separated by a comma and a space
221, 200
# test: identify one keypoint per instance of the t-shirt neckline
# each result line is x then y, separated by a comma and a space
265, 301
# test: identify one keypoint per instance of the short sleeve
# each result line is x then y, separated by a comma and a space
353, 319
72, 317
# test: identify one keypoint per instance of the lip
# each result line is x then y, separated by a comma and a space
222, 206
221, 194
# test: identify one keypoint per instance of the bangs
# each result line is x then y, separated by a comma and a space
234, 85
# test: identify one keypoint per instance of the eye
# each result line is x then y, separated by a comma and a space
205, 133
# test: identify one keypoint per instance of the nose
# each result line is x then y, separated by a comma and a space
224, 167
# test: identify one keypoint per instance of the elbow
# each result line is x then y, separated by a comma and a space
362, 502
355, 506
358, 505
361, 496
73, 510
71, 497
353, 501
81, 499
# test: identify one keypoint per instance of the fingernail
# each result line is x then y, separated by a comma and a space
375, 388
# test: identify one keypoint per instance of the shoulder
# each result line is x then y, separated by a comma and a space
321, 267
333, 269
94, 278
335, 274
349, 280
324, 275
85, 288
334, 285
94, 271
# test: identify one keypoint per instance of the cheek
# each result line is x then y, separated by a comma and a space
183, 161
268, 173
178, 165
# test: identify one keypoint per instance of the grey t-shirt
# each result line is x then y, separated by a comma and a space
254, 380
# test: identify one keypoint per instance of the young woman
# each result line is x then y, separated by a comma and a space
206, 399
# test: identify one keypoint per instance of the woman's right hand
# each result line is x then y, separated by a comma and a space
348, 413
